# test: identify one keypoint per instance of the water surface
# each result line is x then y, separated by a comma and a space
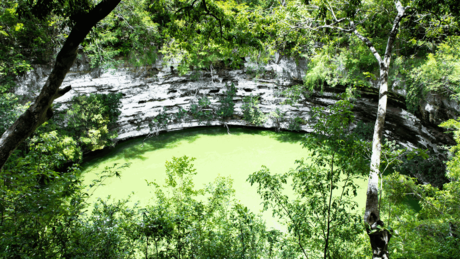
236, 155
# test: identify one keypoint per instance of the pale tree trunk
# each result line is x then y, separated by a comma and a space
40, 110
379, 239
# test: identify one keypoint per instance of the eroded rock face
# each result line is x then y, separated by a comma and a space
147, 90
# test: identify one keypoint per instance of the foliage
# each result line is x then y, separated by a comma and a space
343, 60
295, 124
181, 114
10, 110
23, 39
134, 34
127, 35
440, 73
424, 59
162, 119
429, 230
278, 117
181, 224
110, 231
294, 94
71, 132
428, 168
41, 191
227, 107
453, 166
202, 111
204, 102
46, 218
30, 206
364, 130
424, 217
226, 25
255, 71
90, 120
322, 222
251, 110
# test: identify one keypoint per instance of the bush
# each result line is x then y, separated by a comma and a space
295, 123
251, 111
226, 109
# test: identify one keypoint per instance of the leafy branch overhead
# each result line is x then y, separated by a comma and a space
409, 46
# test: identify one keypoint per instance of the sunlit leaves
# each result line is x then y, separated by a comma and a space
454, 164
203, 223
432, 223
323, 185
90, 120
425, 215
10, 109
440, 72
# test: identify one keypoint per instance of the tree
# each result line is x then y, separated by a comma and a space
40, 110
356, 17
207, 21
430, 228
321, 217
186, 222
251, 110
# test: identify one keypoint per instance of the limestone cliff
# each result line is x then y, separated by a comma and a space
147, 90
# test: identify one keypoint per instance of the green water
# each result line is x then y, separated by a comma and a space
217, 153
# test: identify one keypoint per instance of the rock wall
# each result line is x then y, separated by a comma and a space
147, 90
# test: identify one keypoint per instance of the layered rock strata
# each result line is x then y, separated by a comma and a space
147, 90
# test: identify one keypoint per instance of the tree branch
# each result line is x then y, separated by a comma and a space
40, 111
188, 7
332, 27
368, 44
394, 31
63, 91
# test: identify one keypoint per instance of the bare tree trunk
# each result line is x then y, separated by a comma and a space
379, 238
40, 110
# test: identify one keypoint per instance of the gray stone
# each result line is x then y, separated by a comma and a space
147, 90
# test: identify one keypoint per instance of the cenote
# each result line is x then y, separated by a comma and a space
237, 155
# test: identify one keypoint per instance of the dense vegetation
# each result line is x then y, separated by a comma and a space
42, 199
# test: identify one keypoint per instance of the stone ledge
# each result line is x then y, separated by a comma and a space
145, 96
